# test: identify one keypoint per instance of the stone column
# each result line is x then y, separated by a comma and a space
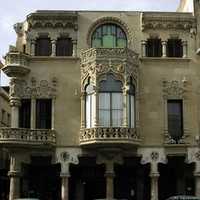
197, 183
53, 114
144, 48
53, 47
33, 113
95, 110
154, 185
15, 104
125, 106
64, 186
164, 49
32, 47
14, 175
110, 174
184, 43
83, 110
74, 52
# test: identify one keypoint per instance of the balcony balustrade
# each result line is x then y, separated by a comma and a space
112, 136
22, 136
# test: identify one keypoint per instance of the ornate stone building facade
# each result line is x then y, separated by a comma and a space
105, 105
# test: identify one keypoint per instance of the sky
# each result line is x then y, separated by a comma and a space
13, 11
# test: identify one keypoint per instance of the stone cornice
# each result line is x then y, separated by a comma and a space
53, 19
178, 21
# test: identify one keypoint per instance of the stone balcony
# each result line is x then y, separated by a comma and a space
27, 137
16, 64
109, 137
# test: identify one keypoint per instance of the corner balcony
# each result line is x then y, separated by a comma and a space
16, 64
109, 137
44, 138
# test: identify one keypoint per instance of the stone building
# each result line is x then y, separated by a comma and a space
4, 122
104, 105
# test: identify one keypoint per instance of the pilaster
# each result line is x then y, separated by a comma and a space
164, 49
143, 48
53, 47
74, 53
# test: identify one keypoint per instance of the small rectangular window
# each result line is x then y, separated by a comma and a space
154, 48
43, 47
174, 48
175, 119
25, 113
43, 113
64, 47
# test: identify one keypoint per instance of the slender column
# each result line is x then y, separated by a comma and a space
154, 185
197, 183
53, 47
83, 110
33, 113
164, 49
110, 174
184, 43
15, 103
64, 186
125, 107
14, 175
96, 108
74, 53
53, 114
144, 48
32, 48
154, 174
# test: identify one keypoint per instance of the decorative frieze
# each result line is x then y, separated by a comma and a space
41, 89
174, 89
55, 20
175, 21
120, 61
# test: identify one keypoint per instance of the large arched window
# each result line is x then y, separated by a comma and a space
131, 105
109, 36
110, 102
89, 106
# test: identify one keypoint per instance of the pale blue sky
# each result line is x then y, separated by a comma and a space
13, 11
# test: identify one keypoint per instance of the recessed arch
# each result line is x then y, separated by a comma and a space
108, 20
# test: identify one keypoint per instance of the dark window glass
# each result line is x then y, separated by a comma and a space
43, 113
131, 105
154, 48
43, 47
174, 48
64, 47
25, 113
175, 119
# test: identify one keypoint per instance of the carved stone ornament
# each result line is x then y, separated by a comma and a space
42, 89
150, 155
174, 89
122, 62
193, 156
175, 21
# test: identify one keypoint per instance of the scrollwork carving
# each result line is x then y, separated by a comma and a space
173, 89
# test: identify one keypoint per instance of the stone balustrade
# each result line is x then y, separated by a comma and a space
9, 136
16, 64
111, 135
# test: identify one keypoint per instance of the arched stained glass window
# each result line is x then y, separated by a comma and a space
109, 36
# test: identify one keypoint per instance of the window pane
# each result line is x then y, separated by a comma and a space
117, 101
43, 47
117, 118
43, 113
25, 113
175, 119
104, 101
154, 47
88, 111
174, 48
64, 47
104, 118
132, 112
